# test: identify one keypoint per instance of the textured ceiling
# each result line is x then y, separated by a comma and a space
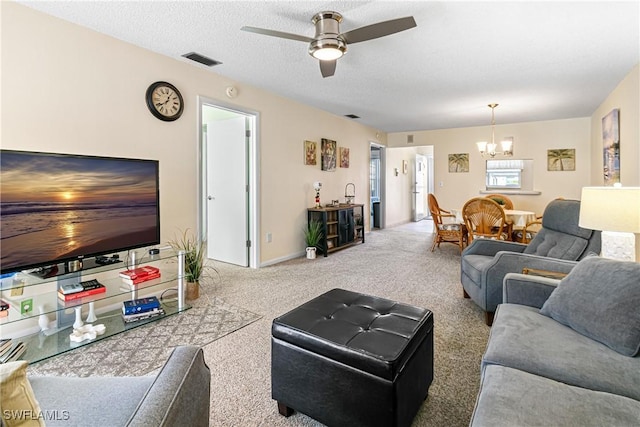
538, 60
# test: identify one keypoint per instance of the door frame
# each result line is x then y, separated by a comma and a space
383, 183
252, 166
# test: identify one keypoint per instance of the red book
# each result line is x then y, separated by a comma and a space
140, 279
140, 272
81, 294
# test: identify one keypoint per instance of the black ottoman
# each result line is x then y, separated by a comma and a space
348, 359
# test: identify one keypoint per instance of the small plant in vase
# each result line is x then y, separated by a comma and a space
194, 261
312, 237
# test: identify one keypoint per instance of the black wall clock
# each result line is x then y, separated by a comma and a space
164, 101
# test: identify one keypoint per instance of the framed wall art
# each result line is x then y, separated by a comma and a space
561, 159
344, 157
310, 152
328, 155
611, 147
459, 162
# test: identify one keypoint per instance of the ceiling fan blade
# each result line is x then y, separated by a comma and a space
328, 68
380, 29
280, 34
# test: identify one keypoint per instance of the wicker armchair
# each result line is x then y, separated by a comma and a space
445, 231
501, 199
485, 219
529, 231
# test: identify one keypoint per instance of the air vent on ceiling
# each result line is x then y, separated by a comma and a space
201, 59
352, 116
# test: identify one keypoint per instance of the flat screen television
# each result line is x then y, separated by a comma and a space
56, 208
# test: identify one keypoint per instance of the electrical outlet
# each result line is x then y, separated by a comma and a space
441, 183
269, 237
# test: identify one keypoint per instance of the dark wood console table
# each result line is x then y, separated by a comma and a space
342, 226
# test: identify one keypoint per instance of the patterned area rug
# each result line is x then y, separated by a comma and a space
145, 349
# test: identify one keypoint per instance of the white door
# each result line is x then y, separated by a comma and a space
227, 196
420, 196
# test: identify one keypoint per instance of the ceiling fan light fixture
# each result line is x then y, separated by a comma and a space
327, 49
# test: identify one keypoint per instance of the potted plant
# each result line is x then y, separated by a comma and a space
194, 261
312, 237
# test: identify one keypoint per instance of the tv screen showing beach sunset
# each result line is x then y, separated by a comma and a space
56, 207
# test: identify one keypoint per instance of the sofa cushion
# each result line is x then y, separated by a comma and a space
18, 402
524, 339
510, 397
98, 401
554, 244
600, 299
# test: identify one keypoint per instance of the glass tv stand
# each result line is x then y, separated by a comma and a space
43, 322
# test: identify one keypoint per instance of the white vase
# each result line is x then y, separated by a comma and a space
311, 252
91, 317
43, 320
78, 323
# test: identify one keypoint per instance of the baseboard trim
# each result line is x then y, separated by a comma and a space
282, 259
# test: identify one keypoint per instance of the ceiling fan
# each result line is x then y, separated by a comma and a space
329, 44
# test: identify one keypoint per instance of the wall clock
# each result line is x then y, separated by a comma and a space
164, 101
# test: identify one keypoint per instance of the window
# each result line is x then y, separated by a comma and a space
509, 175
504, 178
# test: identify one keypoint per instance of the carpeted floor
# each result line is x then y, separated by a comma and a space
145, 349
394, 263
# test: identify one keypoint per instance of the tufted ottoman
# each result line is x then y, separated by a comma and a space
348, 359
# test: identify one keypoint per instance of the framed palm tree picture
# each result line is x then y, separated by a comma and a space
561, 159
459, 162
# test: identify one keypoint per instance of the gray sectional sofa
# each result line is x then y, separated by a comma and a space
565, 353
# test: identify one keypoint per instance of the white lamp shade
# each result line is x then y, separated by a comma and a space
610, 209
507, 145
482, 146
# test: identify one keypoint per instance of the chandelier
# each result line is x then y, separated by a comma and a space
489, 149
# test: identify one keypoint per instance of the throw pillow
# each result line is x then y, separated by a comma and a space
599, 298
19, 405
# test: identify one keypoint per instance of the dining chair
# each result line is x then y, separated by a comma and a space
526, 234
501, 199
505, 203
485, 219
445, 230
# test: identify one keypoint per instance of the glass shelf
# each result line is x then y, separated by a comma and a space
43, 345
41, 295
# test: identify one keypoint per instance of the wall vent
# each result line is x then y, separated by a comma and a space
201, 59
409, 139
352, 116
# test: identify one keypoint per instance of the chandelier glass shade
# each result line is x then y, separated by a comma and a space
489, 148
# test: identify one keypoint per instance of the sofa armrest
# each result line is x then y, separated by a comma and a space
491, 247
179, 395
528, 290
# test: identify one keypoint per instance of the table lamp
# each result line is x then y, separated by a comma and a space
612, 209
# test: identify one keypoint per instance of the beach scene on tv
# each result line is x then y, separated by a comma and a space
57, 207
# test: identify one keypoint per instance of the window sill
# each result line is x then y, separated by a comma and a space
506, 191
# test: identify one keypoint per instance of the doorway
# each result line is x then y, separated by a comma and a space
227, 219
376, 186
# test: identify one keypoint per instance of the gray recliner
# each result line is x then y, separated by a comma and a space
557, 247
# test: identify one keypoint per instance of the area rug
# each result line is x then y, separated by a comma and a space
144, 349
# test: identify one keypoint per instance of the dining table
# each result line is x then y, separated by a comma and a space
518, 218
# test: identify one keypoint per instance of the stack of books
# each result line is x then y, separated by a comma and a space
139, 275
9, 354
140, 309
4, 309
79, 290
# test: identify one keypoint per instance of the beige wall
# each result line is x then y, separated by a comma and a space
69, 89
531, 141
626, 97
